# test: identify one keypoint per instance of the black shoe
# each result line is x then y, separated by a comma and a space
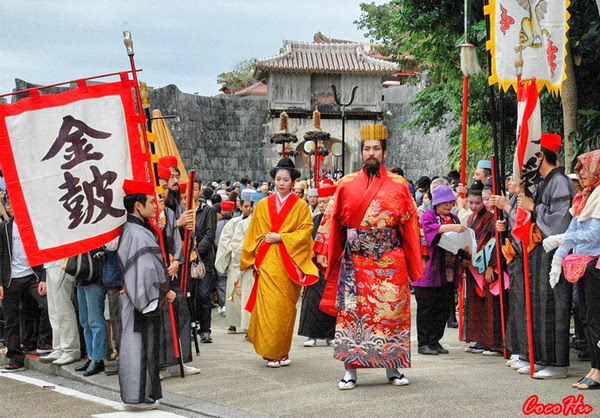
428, 350
111, 371
205, 338
578, 344
438, 347
452, 324
584, 355
95, 368
84, 366
14, 367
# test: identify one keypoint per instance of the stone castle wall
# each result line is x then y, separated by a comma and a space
228, 137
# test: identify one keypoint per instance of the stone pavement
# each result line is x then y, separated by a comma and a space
236, 382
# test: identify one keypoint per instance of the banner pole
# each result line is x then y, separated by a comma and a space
153, 169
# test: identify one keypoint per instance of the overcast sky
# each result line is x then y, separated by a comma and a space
187, 43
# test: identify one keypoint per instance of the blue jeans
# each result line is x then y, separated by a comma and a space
203, 303
91, 316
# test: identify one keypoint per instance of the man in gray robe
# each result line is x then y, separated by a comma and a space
551, 307
144, 290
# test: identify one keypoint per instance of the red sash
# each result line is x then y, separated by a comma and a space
277, 220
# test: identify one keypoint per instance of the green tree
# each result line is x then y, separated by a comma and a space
240, 75
426, 35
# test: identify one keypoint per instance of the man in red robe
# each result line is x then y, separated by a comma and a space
374, 251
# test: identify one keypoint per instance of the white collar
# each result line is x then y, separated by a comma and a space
283, 199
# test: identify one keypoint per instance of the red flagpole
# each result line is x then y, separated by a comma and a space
498, 259
153, 172
463, 180
528, 307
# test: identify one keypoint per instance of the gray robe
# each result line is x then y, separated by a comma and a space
550, 308
144, 276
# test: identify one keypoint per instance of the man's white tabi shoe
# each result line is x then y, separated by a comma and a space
527, 369
347, 384
173, 371
311, 342
512, 360
519, 364
395, 377
398, 380
551, 373
349, 380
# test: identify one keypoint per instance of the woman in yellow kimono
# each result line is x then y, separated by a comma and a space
278, 247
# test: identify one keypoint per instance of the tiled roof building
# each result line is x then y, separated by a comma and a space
300, 75
336, 58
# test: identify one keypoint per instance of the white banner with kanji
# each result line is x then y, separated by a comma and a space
540, 27
64, 157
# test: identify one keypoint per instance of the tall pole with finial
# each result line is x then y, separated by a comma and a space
152, 169
343, 106
469, 66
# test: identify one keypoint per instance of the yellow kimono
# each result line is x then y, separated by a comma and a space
283, 268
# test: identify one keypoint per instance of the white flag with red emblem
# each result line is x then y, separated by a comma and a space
540, 27
527, 153
529, 134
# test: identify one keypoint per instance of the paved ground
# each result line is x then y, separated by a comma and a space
236, 382
24, 399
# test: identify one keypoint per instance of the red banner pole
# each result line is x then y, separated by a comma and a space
528, 307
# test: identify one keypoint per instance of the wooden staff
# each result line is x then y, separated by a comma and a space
152, 168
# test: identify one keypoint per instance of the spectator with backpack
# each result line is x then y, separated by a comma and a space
87, 270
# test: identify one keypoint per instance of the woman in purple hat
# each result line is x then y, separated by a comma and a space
434, 292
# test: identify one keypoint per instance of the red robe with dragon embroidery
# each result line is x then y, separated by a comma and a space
374, 250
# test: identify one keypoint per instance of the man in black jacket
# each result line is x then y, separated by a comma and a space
17, 280
206, 226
